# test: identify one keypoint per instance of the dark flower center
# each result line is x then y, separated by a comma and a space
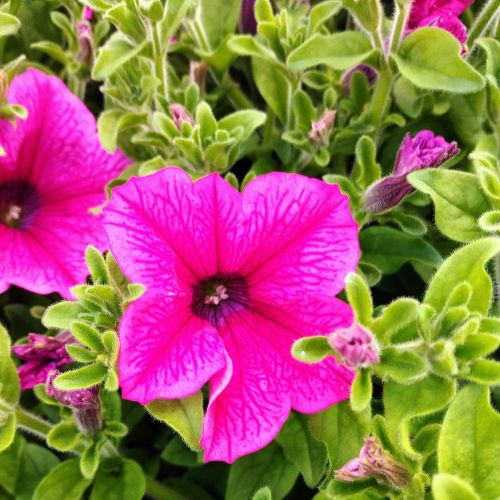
19, 201
216, 297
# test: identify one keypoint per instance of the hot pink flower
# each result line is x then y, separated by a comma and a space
42, 355
232, 281
54, 171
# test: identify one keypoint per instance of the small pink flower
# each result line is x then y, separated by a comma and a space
425, 150
232, 281
373, 461
180, 115
42, 354
54, 171
322, 129
356, 345
85, 404
88, 13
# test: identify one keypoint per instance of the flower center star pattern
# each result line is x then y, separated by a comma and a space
233, 279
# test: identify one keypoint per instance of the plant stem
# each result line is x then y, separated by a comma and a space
158, 491
399, 25
482, 21
32, 423
380, 99
160, 61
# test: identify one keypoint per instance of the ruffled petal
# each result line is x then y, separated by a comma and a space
300, 234
164, 228
251, 399
165, 351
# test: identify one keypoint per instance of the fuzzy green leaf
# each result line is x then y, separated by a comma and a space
81, 378
64, 436
449, 487
61, 314
311, 349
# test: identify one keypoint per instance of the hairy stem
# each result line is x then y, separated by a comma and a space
399, 25
381, 98
160, 61
158, 491
484, 18
32, 423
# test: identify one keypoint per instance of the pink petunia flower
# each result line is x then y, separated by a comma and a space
232, 281
54, 171
441, 14
42, 355
425, 150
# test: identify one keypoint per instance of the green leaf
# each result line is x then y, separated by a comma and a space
366, 170
9, 381
274, 87
64, 436
177, 453
401, 366
61, 314
485, 371
320, 13
8, 24
87, 335
468, 445
219, 19
184, 415
36, 463
119, 479
301, 448
395, 318
339, 51
63, 482
360, 299
113, 55
449, 487
81, 378
7, 430
268, 467
458, 198
342, 430
477, 345
490, 221
10, 461
361, 390
89, 461
311, 349
206, 120
403, 403
388, 249
430, 59
175, 13
263, 494
249, 119
466, 264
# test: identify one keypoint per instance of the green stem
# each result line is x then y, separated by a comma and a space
381, 97
482, 21
158, 491
32, 423
235, 94
399, 24
160, 61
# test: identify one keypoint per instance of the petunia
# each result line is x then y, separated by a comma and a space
41, 354
53, 172
441, 14
356, 345
425, 150
232, 281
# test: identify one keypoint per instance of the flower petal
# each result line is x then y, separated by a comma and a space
165, 351
164, 228
301, 236
251, 399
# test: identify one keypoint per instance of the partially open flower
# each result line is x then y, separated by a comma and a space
322, 129
425, 150
180, 115
85, 404
374, 461
356, 345
42, 355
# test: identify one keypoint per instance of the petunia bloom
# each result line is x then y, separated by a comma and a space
232, 281
53, 172
85, 404
374, 461
42, 355
356, 345
441, 14
425, 150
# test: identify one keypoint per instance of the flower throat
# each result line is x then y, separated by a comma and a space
18, 203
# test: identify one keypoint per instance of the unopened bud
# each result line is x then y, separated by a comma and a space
84, 403
85, 41
356, 345
375, 462
322, 129
198, 72
180, 115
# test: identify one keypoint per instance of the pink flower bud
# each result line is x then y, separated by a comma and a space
374, 461
180, 115
356, 345
42, 354
85, 404
85, 41
88, 13
425, 150
322, 129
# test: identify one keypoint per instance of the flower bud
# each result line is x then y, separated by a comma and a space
248, 23
425, 150
322, 129
85, 41
198, 72
84, 403
373, 461
180, 115
4, 85
356, 345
